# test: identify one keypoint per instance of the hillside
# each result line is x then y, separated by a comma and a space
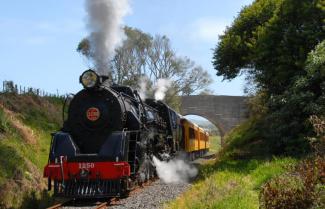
26, 122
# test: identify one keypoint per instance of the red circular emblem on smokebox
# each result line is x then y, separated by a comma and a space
93, 114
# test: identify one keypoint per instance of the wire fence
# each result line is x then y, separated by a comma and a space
11, 87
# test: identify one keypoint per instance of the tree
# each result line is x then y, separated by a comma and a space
270, 41
130, 62
287, 124
144, 58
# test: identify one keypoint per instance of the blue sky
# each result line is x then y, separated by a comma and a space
38, 38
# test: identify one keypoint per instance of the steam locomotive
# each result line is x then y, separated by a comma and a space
106, 143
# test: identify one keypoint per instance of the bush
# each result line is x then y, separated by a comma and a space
287, 123
318, 142
302, 188
37, 200
245, 141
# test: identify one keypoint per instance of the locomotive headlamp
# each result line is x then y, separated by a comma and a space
89, 79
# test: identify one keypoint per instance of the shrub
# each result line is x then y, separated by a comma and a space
245, 141
37, 200
318, 142
302, 188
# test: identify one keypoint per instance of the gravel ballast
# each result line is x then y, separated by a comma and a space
152, 196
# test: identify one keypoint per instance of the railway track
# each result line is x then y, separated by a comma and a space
103, 205
97, 204
210, 156
55, 206
75, 204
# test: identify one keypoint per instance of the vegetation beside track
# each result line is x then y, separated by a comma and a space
26, 122
215, 143
246, 175
231, 183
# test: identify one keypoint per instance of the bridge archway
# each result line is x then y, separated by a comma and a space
215, 123
213, 130
225, 112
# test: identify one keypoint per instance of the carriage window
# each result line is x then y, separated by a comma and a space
191, 133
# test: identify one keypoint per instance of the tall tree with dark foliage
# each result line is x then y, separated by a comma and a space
270, 41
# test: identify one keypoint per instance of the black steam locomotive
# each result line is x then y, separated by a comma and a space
108, 139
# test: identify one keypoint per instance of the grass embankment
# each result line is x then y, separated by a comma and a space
246, 176
231, 184
26, 122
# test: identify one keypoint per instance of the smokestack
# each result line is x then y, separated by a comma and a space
104, 22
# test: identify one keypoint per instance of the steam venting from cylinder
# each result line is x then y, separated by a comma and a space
104, 22
175, 171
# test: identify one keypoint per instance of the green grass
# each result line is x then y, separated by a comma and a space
245, 142
21, 162
4, 126
231, 184
11, 162
215, 143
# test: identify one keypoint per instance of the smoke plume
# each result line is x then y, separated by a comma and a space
174, 171
143, 87
161, 88
104, 22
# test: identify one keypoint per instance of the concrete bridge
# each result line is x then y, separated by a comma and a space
225, 112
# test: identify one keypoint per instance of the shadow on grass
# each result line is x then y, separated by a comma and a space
37, 200
240, 166
235, 166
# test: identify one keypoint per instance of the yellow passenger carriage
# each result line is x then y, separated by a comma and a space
196, 139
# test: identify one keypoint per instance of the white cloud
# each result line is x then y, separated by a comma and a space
207, 29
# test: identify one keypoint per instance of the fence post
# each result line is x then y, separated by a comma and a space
10, 87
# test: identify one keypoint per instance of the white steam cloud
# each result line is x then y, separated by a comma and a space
174, 171
161, 88
104, 22
143, 87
